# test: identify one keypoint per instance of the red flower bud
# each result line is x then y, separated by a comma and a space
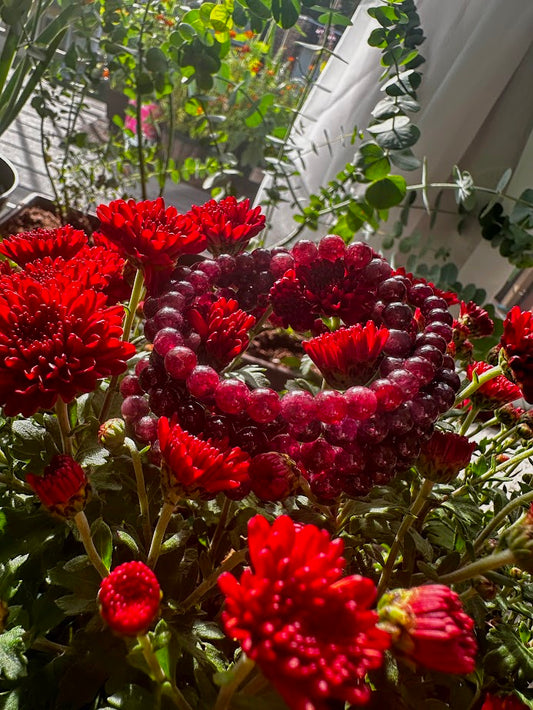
429, 626
129, 598
63, 488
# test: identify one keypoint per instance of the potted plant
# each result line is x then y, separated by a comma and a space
179, 532
27, 50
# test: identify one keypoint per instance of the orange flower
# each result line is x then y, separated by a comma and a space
232, 34
105, 73
291, 59
249, 34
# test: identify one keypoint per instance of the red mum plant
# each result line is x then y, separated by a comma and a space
129, 599
290, 304
192, 467
224, 330
56, 340
310, 630
476, 320
450, 297
348, 356
227, 226
26, 247
444, 455
63, 487
430, 628
149, 234
494, 393
503, 702
517, 342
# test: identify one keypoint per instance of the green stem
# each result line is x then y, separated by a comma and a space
135, 298
479, 567
221, 527
415, 508
159, 532
136, 295
234, 558
240, 670
500, 517
159, 674
141, 489
497, 469
15, 485
482, 379
467, 421
61, 409
92, 553
489, 190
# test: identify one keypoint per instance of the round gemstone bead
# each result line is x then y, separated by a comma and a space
298, 407
331, 247
202, 381
179, 362
166, 339
231, 396
263, 405
361, 402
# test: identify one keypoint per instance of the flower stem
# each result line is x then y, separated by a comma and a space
135, 298
499, 559
141, 489
64, 425
476, 384
493, 471
159, 674
159, 532
500, 517
221, 527
240, 670
234, 558
467, 421
416, 506
92, 553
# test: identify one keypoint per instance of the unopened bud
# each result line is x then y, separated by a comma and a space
519, 539
112, 434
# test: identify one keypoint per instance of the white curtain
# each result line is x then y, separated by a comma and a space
476, 101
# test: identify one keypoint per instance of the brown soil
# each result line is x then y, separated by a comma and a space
34, 217
274, 345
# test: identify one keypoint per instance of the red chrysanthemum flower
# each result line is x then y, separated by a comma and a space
273, 476
151, 236
129, 599
290, 305
56, 340
192, 467
228, 225
26, 247
476, 319
444, 455
494, 393
348, 356
517, 341
310, 630
224, 330
503, 702
63, 487
430, 627
94, 268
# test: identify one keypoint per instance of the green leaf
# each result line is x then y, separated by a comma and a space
12, 659
386, 193
504, 180
371, 159
399, 138
286, 12
386, 16
257, 115
259, 8
132, 697
103, 541
156, 60
404, 159
221, 18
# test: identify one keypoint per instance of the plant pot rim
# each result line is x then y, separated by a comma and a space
4, 195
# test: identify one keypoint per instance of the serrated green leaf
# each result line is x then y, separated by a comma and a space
13, 662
